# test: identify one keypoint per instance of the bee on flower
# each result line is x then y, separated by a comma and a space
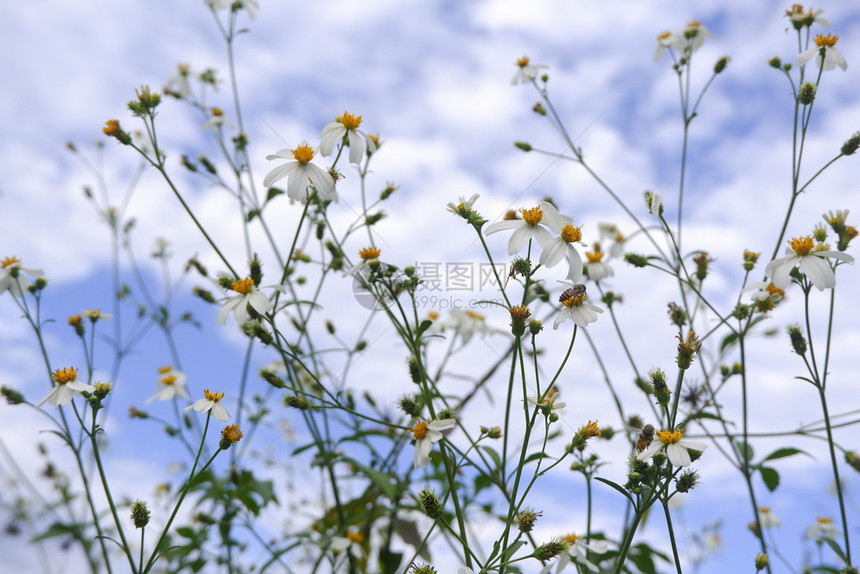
574, 307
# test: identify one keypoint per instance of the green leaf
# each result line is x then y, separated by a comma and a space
770, 477
59, 529
511, 550
728, 340
252, 214
617, 487
784, 452
836, 548
382, 481
273, 193
494, 455
425, 324
745, 450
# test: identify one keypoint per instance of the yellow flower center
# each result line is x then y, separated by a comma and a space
595, 257
523, 62
474, 315
369, 253
574, 301
63, 376
550, 397
571, 539
802, 245
795, 9
214, 397
520, 313
75, 320
420, 430
232, 434
355, 537
533, 216
694, 24
591, 429
670, 437
764, 510
571, 234
350, 121
375, 139
303, 154
8, 262
111, 128
183, 69
663, 36
824, 521
827, 41
243, 286
165, 370
168, 379
774, 290
432, 315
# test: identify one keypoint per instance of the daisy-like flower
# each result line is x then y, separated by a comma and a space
825, 53
351, 543
171, 385
801, 253
12, 276
96, 315
346, 126
367, 255
211, 402
548, 403
463, 206
301, 173
694, 36
668, 40
823, 528
677, 449
767, 518
765, 295
654, 202
596, 268
577, 551
800, 19
178, 83
526, 72
67, 387
216, 120
563, 247
467, 323
248, 294
426, 433
575, 308
529, 226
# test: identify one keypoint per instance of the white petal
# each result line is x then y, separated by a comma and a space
441, 425
322, 181
285, 153
519, 238
552, 218
562, 317
422, 452
219, 412
502, 225
553, 252
678, 455
818, 271
332, 134
574, 260
650, 451
357, 148
227, 307
279, 173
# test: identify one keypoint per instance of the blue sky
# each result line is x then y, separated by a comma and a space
433, 79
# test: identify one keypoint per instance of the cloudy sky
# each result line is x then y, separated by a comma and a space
433, 79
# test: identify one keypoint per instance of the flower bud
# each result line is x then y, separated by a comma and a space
806, 94
636, 260
798, 341
721, 64
523, 146
429, 504
549, 550
775, 62
535, 326
12, 396
677, 315
761, 562
519, 314
851, 144
139, 514
526, 519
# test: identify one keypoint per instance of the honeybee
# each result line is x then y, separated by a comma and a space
646, 435
572, 291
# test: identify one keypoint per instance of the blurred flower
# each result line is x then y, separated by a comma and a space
216, 120
563, 246
367, 255
211, 402
668, 40
178, 81
811, 263
547, 404
800, 19
463, 206
577, 551
595, 268
248, 294
676, 448
351, 543
823, 528
67, 386
767, 519
694, 36
467, 323
170, 385
300, 173
527, 71
12, 277
825, 53
427, 433
346, 126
